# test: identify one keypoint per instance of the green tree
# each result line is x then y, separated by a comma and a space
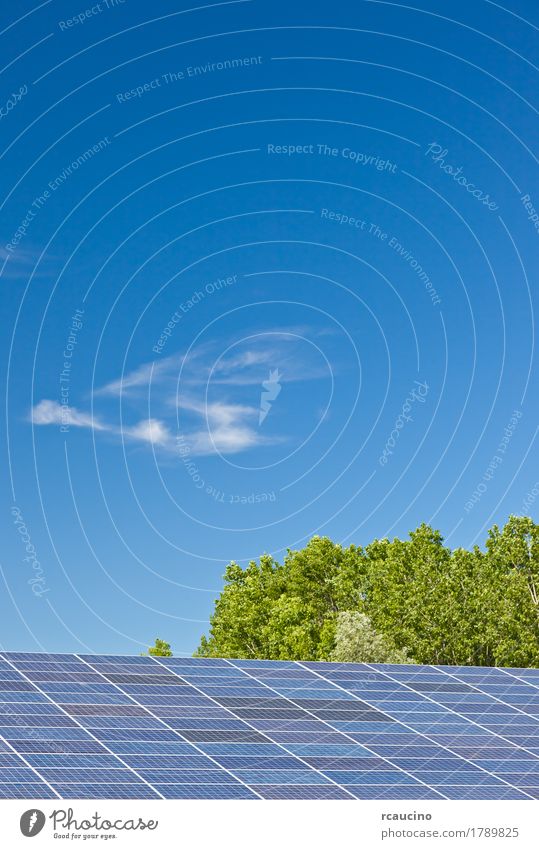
416, 596
160, 649
513, 555
437, 602
356, 641
288, 610
407, 579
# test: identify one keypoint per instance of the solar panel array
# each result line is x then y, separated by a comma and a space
94, 726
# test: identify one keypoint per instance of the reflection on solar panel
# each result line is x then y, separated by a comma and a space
88, 726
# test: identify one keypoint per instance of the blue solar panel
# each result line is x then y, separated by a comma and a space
206, 791
137, 790
37, 790
142, 727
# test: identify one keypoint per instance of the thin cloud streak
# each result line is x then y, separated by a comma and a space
178, 386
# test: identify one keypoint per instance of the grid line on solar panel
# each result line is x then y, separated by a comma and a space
208, 791
190, 735
95, 723
411, 706
304, 791
140, 790
83, 775
151, 747
497, 696
27, 791
426, 736
289, 776
71, 761
237, 762
268, 749
9, 675
364, 791
41, 666
58, 747
67, 700
11, 760
63, 687
98, 659
265, 735
23, 732
18, 686
176, 732
22, 697
5, 715
182, 693
272, 725
247, 672
42, 783
95, 738
189, 762
65, 677
9, 775
195, 662
472, 753
193, 776
498, 707
128, 669
140, 734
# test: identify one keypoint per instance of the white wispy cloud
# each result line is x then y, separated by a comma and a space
148, 430
50, 412
225, 433
229, 428
141, 377
151, 430
22, 263
200, 394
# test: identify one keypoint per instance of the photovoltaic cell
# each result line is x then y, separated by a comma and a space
91, 726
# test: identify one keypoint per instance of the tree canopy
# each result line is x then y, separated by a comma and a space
160, 649
413, 598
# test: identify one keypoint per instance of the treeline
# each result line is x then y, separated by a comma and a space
413, 600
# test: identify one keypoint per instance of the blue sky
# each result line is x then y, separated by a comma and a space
268, 270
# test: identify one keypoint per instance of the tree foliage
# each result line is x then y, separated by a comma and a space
407, 598
356, 641
160, 649
279, 611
